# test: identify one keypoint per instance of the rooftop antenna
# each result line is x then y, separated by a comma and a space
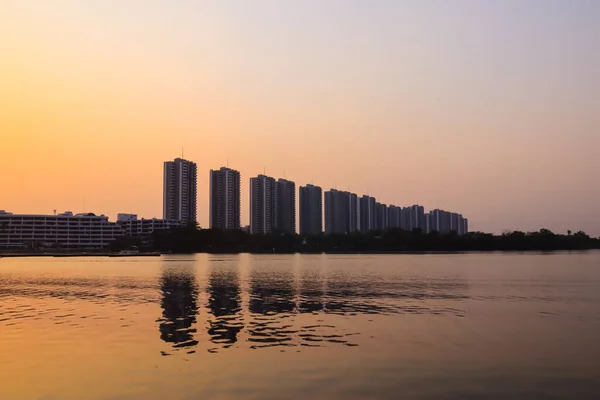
182, 152
227, 161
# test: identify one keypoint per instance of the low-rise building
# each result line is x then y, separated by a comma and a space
64, 231
132, 226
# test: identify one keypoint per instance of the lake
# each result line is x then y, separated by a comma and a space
464, 326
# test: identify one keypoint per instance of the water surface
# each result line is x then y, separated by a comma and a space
470, 326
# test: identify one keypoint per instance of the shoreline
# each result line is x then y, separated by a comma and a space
15, 255
407, 252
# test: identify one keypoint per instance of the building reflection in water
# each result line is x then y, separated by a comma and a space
180, 305
292, 306
272, 291
224, 303
311, 292
272, 301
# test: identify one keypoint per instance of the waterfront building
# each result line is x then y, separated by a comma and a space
381, 216
286, 206
394, 216
62, 231
263, 205
368, 213
311, 210
337, 211
132, 226
179, 190
224, 205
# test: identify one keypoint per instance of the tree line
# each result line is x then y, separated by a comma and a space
190, 239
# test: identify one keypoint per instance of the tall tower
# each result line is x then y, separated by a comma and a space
353, 222
311, 210
263, 205
368, 214
224, 199
338, 212
179, 190
286, 206
381, 219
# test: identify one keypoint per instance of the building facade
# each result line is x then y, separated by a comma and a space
394, 216
353, 219
263, 205
286, 206
381, 219
132, 226
337, 212
224, 212
179, 190
367, 214
446, 222
311, 210
62, 231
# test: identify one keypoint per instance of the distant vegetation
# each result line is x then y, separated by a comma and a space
190, 239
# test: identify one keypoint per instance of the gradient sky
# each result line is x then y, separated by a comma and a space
485, 107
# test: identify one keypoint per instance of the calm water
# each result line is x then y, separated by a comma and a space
476, 326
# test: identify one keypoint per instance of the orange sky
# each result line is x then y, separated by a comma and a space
470, 109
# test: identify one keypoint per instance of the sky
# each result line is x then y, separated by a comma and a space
488, 108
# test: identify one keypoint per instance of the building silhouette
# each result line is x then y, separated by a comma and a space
179, 190
353, 222
224, 199
381, 212
340, 212
311, 210
446, 222
263, 205
394, 216
368, 214
286, 206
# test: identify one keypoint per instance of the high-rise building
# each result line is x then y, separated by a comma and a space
440, 221
224, 199
286, 206
381, 216
434, 220
445, 222
406, 219
179, 190
337, 211
272, 205
368, 214
454, 220
417, 215
394, 216
353, 212
263, 205
311, 210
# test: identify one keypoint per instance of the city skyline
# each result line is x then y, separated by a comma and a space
484, 107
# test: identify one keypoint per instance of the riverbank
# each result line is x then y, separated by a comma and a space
408, 252
11, 255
